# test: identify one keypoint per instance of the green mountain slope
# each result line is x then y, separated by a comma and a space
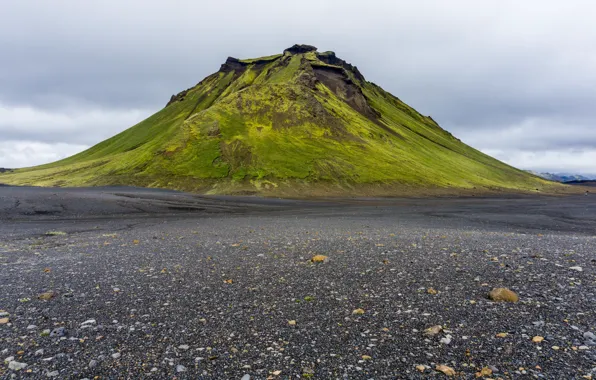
301, 122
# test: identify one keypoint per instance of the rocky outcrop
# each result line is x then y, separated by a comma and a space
330, 58
300, 49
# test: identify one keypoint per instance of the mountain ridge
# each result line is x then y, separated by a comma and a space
300, 121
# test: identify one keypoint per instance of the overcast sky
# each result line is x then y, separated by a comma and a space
515, 79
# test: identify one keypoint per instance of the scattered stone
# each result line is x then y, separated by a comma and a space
319, 259
246, 377
446, 339
31, 327
180, 368
4, 321
47, 295
16, 366
589, 335
89, 322
485, 371
58, 332
92, 363
184, 347
432, 291
366, 357
53, 374
433, 330
292, 323
116, 355
39, 352
4, 314
420, 368
276, 373
556, 348
579, 269
358, 312
537, 339
503, 295
446, 370
502, 335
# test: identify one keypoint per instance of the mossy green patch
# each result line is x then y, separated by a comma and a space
271, 126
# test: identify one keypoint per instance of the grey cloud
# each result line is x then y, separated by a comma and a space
482, 69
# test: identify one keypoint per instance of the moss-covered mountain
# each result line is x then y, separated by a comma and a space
296, 123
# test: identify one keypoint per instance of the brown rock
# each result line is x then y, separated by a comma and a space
433, 330
503, 295
446, 370
47, 295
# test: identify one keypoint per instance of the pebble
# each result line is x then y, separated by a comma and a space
39, 352
58, 332
184, 347
16, 366
246, 377
579, 269
31, 327
446, 339
180, 368
89, 322
52, 374
92, 363
116, 355
589, 335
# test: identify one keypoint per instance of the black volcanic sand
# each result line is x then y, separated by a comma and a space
163, 284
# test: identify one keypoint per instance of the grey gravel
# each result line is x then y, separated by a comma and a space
211, 290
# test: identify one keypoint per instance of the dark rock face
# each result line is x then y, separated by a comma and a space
232, 64
330, 58
177, 98
300, 49
5, 170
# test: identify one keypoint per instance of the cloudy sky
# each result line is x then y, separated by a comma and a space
516, 79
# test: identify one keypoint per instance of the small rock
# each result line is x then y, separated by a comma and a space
433, 330
4, 314
47, 295
484, 372
276, 373
537, 339
420, 368
246, 377
16, 366
180, 368
116, 355
52, 374
579, 269
58, 332
184, 347
92, 363
292, 323
446, 339
4, 321
31, 327
89, 322
446, 370
589, 335
358, 312
39, 352
503, 295
319, 259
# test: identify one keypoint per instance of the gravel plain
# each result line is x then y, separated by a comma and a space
116, 283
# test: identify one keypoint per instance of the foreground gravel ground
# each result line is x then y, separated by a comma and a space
233, 293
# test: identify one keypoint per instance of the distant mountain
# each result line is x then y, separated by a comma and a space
564, 177
294, 124
591, 183
5, 170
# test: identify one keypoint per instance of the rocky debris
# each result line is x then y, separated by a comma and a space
577, 269
319, 259
16, 366
433, 330
47, 295
446, 370
503, 295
